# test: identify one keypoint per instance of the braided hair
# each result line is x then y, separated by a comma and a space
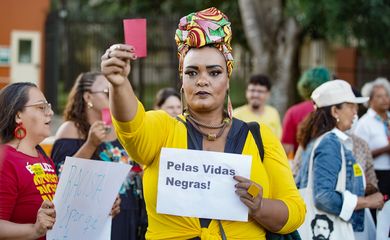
75, 109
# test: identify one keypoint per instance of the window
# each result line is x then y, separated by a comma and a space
25, 51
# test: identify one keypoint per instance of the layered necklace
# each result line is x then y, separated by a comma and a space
209, 136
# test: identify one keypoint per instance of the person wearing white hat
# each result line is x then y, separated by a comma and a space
335, 92
336, 108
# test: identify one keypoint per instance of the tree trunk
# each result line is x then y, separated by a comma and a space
275, 41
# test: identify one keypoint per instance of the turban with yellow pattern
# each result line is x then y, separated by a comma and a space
206, 27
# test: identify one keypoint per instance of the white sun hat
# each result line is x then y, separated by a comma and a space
335, 92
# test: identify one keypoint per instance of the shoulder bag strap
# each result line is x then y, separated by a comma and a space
342, 178
190, 134
254, 127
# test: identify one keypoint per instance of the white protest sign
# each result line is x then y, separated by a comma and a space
200, 184
84, 197
383, 222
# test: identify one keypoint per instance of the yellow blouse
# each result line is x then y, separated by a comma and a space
145, 135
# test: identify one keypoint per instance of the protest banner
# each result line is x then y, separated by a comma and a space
383, 222
84, 197
200, 184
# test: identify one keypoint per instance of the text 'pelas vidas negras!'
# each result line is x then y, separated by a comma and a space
208, 169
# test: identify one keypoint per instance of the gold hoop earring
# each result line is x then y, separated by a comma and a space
229, 106
183, 104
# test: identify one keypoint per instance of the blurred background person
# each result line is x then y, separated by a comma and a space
360, 151
26, 212
309, 81
168, 99
336, 107
257, 109
84, 134
374, 127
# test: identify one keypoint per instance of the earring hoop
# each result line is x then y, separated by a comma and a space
20, 132
229, 106
183, 104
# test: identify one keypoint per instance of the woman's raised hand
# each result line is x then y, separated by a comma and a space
97, 133
115, 63
116, 207
46, 217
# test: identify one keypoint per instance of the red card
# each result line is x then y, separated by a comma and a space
106, 116
135, 35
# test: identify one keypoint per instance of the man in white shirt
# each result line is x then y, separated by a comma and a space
374, 127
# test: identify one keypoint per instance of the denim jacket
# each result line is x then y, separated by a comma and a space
326, 167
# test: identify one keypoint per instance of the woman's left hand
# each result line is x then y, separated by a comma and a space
116, 208
245, 188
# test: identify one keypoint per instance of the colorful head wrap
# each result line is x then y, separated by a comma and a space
206, 27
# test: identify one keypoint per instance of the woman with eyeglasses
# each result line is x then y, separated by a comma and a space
86, 133
26, 210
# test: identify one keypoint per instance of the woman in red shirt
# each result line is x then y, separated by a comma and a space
27, 176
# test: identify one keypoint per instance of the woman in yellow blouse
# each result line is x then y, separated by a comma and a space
206, 63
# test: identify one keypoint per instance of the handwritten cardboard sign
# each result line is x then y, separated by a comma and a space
200, 184
135, 35
383, 222
84, 197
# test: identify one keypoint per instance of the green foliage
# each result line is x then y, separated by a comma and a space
62, 97
117, 9
362, 22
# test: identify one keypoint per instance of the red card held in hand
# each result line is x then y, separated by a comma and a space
106, 116
135, 35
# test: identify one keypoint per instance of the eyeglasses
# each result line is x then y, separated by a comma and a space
45, 107
105, 91
257, 91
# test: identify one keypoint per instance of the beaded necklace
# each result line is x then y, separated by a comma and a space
209, 136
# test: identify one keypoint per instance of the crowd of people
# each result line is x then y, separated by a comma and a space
343, 161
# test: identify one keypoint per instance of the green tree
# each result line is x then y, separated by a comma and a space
275, 31
109, 9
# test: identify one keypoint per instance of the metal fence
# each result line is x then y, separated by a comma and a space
76, 45
85, 41
369, 69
